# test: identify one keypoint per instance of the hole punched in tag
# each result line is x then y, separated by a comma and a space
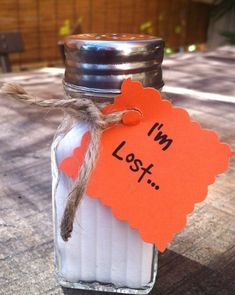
133, 117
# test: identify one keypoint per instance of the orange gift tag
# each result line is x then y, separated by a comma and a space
71, 165
154, 167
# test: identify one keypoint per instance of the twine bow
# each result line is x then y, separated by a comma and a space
81, 109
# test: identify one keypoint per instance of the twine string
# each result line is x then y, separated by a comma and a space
85, 110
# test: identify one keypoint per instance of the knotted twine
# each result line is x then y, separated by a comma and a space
85, 110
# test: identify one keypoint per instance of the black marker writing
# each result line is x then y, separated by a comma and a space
117, 150
135, 163
145, 171
160, 136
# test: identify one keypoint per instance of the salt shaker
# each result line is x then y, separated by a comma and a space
103, 253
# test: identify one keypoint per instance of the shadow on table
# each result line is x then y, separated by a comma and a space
179, 275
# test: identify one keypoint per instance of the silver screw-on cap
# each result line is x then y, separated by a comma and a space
99, 63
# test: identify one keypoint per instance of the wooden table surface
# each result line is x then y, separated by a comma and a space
199, 261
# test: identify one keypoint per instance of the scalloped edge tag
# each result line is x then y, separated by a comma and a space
153, 169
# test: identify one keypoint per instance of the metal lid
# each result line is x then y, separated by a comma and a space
99, 63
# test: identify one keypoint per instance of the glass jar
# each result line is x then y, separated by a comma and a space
103, 253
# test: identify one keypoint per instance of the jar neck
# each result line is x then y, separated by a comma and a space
89, 93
